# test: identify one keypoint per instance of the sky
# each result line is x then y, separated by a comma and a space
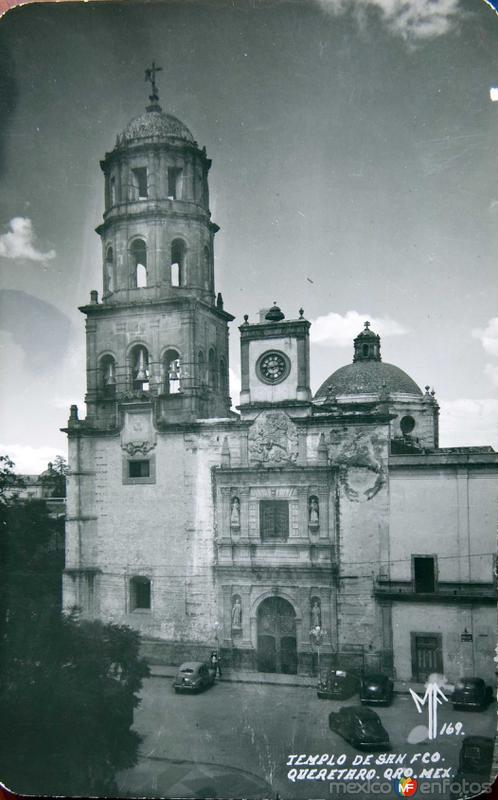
355, 174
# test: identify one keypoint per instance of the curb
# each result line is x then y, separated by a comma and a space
311, 684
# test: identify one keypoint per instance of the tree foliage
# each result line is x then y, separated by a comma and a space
54, 478
68, 688
9, 481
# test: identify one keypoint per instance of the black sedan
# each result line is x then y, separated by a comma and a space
337, 684
474, 765
471, 694
361, 727
376, 689
193, 676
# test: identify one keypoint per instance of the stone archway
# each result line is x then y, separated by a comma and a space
277, 646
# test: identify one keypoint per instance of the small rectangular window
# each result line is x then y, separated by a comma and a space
140, 181
175, 182
139, 593
274, 519
424, 574
139, 469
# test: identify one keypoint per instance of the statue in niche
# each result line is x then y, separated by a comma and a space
235, 513
108, 279
314, 513
316, 615
237, 614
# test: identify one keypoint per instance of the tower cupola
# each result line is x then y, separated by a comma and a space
159, 334
157, 234
367, 345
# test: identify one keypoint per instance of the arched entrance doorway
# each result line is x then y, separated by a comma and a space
277, 650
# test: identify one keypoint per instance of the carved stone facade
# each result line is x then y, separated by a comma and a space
299, 522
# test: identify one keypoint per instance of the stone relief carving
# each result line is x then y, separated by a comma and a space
138, 435
132, 448
362, 473
273, 440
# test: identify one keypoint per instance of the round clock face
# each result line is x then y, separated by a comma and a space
273, 367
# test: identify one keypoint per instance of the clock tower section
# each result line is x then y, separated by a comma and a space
160, 333
275, 369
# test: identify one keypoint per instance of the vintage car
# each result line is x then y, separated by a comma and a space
194, 676
361, 727
376, 689
474, 766
471, 694
337, 684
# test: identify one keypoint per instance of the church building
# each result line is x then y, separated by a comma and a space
300, 527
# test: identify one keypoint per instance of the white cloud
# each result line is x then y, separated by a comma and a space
488, 336
491, 370
340, 330
29, 460
19, 242
464, 423
410, 19
12, 355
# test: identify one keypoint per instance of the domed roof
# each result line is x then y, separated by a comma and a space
368, 377
368, 374
155, 124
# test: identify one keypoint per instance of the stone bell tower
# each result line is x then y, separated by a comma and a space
159, 334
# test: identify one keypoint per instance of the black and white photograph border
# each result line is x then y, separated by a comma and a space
249, 354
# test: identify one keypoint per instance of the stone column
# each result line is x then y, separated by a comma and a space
223, 513
253, 526
226, 633
302, 494
302, 455
244, 460
245, 394
304, 604
162, 175
245, 594
323, 500
92, 376
303, 391
242, 532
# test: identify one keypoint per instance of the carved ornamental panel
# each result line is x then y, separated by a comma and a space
273, 440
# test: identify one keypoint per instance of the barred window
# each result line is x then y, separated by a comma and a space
274, 519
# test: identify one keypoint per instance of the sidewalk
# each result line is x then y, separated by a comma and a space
244, 676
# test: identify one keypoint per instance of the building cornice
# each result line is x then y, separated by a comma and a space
440, 460
92, 309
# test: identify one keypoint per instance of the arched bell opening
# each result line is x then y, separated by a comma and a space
138, 252
172, 372
139, 367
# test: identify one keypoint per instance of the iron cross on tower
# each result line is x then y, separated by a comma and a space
150, 75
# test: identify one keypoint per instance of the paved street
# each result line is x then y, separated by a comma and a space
235, 739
